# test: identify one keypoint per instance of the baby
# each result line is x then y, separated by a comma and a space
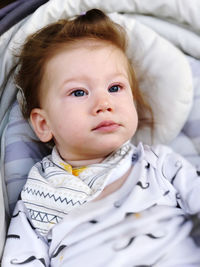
97, 200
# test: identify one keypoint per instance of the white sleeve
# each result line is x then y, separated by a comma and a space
24, 246
182, 175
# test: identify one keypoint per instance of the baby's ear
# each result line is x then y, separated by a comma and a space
40, 125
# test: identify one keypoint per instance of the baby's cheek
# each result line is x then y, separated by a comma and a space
133, 122
76, 131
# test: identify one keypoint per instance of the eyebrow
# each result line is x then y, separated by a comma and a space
85, 78
120, 74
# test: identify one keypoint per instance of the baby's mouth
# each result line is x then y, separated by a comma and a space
106, 126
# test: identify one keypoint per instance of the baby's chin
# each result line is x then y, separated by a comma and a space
107, 148
91, 153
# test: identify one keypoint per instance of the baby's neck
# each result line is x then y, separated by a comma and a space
79, 163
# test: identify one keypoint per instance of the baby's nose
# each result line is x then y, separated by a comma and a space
103, 104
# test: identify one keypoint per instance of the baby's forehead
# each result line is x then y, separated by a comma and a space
84, 59
87, 48
90, 44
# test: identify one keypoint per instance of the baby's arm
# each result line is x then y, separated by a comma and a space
24, 246
183, 176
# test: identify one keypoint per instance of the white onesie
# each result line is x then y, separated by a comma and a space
144, 223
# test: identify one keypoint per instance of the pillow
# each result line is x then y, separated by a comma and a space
164, 77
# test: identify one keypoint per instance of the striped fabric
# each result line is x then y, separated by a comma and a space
22, 150
188, 141
192, 126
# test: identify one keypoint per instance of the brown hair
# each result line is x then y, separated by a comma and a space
45, 43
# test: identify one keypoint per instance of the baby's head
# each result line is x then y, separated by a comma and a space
80, 88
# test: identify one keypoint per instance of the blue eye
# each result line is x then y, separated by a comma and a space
114, 88
78, 93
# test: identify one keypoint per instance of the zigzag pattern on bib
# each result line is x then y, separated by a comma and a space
51, 196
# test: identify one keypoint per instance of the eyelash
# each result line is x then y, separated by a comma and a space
83, 93
78, 90
115, 85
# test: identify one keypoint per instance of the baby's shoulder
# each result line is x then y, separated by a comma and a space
159, 155
40, 167
158, 150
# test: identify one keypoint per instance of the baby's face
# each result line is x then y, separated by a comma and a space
88, 104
